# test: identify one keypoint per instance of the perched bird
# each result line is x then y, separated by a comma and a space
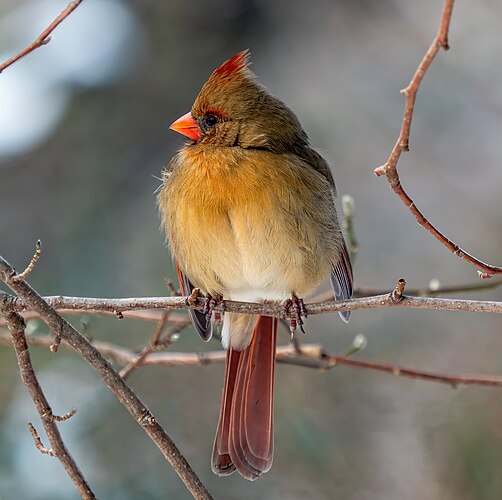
250, 213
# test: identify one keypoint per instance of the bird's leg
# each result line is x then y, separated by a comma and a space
210, 304
299, 310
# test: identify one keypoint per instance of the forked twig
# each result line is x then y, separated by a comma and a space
58, 449
402, 145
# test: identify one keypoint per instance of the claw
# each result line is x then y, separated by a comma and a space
210, 304
299, 310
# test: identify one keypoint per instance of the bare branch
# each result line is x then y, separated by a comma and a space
308, 355
44, 37
16, 326
402, 145
453, 380
111, 378
433, 290
98, 305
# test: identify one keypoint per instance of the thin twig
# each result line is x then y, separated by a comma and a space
38, 442
66, 416
308, 355
129, 368
399, 371
58, 449
32, 264
145, 315
402, 145
111, 378
44, 37
172, 289
358, 344
155, 343
433, 290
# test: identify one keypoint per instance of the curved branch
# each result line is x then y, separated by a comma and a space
402, 145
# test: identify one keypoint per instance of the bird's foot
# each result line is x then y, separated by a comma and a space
298, 306
213, 303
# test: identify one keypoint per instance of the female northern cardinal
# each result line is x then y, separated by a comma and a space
249, 209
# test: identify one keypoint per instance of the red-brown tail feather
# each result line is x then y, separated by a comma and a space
244, 437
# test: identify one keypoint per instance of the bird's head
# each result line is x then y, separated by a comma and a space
233, 109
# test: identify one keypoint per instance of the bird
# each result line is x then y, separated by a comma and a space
250, 213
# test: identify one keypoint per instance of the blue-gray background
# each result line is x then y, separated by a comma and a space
83, 137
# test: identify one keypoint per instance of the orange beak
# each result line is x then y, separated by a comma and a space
186, 125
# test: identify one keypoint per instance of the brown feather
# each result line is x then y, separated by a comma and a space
244, 437
221, 462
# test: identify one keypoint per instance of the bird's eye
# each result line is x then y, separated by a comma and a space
210, 120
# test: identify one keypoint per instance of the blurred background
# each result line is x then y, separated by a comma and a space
83, 138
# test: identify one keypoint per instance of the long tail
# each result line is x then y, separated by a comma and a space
244, 437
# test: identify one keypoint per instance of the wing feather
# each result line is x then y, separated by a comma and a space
199, 320
341, 273
342, 280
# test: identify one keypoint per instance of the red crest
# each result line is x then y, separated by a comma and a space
234, 65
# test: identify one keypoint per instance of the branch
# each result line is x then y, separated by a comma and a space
453, 380
44, 37
434, 289
151, 316
275, 309
63, 330
402, 145
58, 449
308, 355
